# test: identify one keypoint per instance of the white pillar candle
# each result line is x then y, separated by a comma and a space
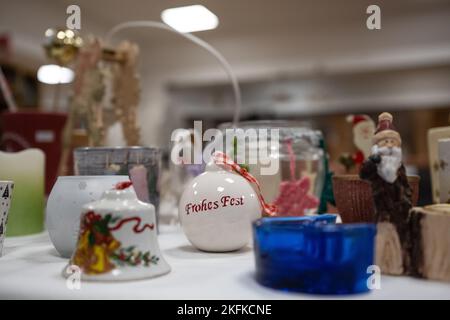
444, 170
434, 135
27, 170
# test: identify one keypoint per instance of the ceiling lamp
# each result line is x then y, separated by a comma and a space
54, 74
190, 18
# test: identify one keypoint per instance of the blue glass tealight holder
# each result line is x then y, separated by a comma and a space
313, 254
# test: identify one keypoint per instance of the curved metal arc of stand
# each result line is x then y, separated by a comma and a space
196, 40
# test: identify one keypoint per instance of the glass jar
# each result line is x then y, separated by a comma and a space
142, 164
296, 184
182, 170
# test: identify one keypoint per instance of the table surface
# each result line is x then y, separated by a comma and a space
31, 269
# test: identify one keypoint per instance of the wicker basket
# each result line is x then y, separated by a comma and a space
354, 197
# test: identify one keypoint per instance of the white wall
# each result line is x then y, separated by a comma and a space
409, 39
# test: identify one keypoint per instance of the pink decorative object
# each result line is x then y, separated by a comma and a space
138, 175
293, 199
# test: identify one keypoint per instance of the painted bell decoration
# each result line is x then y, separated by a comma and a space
117, 239
217, 207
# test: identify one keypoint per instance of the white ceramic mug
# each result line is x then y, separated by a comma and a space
68, 196
6, 189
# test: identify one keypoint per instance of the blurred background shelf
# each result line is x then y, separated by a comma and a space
311, 60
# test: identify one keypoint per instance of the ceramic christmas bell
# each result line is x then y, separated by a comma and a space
117, 239
216, 209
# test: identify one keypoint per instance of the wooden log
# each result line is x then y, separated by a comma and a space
430, 245
389, 256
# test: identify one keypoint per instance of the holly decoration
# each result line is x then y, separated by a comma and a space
98, 251
346, 159
132, 257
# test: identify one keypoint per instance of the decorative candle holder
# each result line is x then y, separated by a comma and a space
444, 170
313, 255
6, 190
297, 185
68, 196
142, 164
26, 169
434, 135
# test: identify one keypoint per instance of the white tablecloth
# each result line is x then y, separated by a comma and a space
31, 269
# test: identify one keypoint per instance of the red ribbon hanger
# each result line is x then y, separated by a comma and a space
221, 159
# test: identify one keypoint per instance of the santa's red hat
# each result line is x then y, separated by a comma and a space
386, 129
357, 118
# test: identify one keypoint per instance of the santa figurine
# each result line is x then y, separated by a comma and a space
391, 194
363, 130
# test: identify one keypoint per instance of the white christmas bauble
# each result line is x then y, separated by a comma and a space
216, 210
